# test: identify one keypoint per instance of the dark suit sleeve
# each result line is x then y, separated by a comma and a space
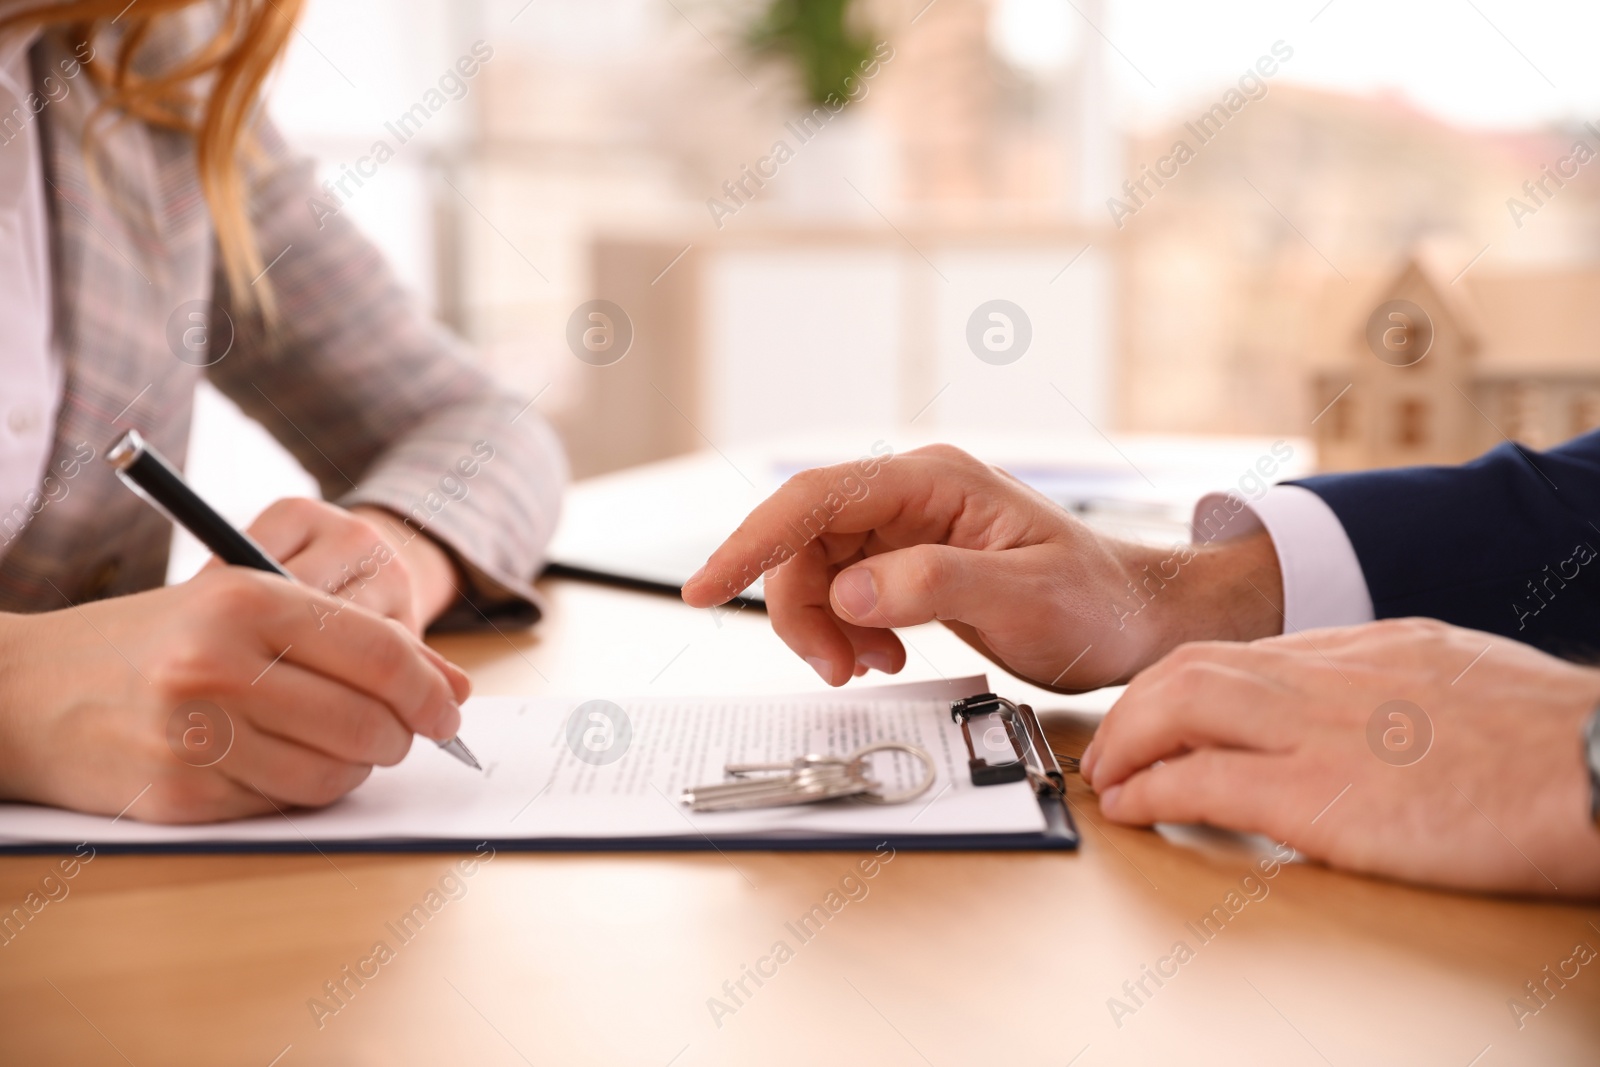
1505, 544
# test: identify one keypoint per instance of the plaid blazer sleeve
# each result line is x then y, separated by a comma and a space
382, 405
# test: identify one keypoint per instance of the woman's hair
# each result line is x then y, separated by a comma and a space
210, 93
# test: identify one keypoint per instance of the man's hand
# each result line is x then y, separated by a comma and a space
937, 534
232, 694
363, 556
1476, 781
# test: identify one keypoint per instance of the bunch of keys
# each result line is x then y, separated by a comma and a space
807, 780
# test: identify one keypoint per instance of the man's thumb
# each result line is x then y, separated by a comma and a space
916, 585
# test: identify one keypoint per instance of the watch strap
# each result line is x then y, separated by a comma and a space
1591, 738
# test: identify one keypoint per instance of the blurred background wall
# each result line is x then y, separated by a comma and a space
782, 264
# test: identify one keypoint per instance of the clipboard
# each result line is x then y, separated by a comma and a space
1031, 759
1002, 743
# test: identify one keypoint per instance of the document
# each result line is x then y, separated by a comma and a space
554, 771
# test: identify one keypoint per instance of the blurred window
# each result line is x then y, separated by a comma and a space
1343, 414
1585, 413
1519, 412
1411, 429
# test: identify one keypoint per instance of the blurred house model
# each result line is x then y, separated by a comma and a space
1306, 194
1427, 368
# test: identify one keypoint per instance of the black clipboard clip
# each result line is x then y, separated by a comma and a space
1012, 732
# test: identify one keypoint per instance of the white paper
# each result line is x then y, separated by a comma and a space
538, 785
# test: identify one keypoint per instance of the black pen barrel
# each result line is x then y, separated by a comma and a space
150, 475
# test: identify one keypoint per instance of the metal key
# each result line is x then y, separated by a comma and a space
806, 780
760, 785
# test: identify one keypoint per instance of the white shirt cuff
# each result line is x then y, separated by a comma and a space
1323, 584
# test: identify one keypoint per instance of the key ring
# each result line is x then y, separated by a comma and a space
858, 760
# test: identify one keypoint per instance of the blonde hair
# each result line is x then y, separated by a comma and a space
250, 38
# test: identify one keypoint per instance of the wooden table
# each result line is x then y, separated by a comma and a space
959, 958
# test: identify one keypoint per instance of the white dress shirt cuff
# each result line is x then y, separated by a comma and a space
1323, 584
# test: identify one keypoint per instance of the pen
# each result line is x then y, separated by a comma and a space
147, 473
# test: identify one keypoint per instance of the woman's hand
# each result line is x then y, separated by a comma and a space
937, 534
235, 693
1405, 748
362, 556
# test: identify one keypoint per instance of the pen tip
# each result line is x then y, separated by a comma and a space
461, 752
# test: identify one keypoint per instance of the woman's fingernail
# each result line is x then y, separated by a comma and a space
877, 661
1108, 799
1086, 763
856, 593
822, 667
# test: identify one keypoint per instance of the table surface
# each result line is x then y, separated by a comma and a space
954, 958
